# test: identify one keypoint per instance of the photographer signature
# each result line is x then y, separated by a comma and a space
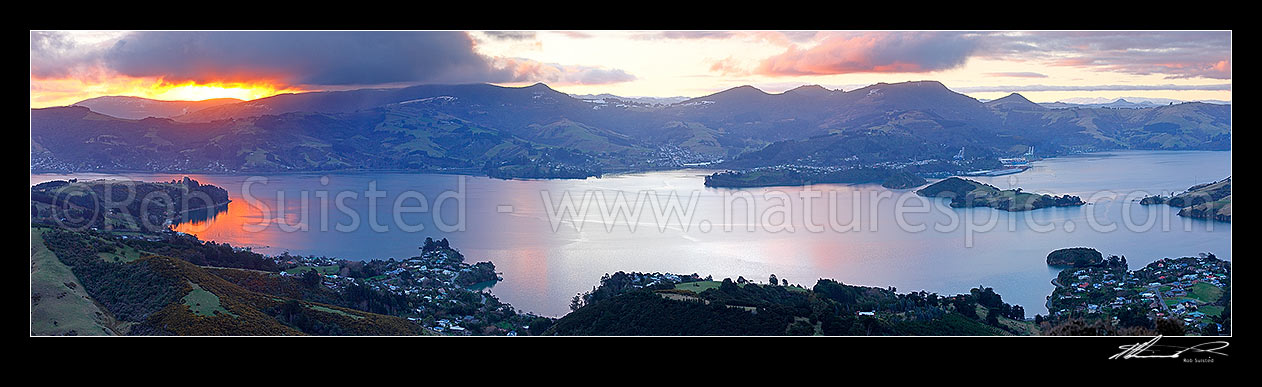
1146, 350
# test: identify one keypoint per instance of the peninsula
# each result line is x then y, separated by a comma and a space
1205, 201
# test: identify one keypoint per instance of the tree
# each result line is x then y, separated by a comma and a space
1211, 329
310, 278
740, 280
1170, 327
992, 317
1133, 317
773, 280
801, 328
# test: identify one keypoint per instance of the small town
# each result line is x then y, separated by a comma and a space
1192, 290
439, 289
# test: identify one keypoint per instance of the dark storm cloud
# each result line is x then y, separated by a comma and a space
304, 58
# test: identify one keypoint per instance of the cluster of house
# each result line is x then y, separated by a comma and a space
429, 281
286, 260
1161, 287
650, 279
669, 155
1171, 281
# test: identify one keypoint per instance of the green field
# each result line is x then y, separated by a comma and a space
1211, 310
204, 303
1205, 292
63, 306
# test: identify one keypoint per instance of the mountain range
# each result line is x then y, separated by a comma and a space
535, 131
1121, 103
135, 108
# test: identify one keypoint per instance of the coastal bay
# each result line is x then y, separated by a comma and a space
544, 267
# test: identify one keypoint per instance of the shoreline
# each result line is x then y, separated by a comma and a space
477, 173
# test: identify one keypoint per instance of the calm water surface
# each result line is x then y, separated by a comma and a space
798, 233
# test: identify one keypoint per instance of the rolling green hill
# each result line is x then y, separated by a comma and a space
1206, 201
60, 306
160, 295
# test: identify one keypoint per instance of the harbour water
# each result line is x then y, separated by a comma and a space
857, 234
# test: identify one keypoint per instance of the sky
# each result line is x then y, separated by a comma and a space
1044, 66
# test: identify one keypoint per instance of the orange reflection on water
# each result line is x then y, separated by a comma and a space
234, 223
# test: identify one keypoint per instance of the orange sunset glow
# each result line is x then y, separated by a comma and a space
191, 91
60, 92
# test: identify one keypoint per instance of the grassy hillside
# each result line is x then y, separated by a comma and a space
1206, 201
160, 295
243, 312
59, 303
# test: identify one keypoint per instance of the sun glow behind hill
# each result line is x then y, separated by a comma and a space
68, 91
191, 91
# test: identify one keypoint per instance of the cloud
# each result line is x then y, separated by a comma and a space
1177, 54
874, 52
1017, 74
526, 70
574, 34
319, 60
728, 66
1031, 88
696, 34
57, 55
301, 58
510, 35
1174, 54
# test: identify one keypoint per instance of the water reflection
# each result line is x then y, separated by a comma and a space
507, 222
199, 219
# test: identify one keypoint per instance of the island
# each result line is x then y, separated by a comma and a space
129, 205
1079, 257
965, 193
1205, 201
